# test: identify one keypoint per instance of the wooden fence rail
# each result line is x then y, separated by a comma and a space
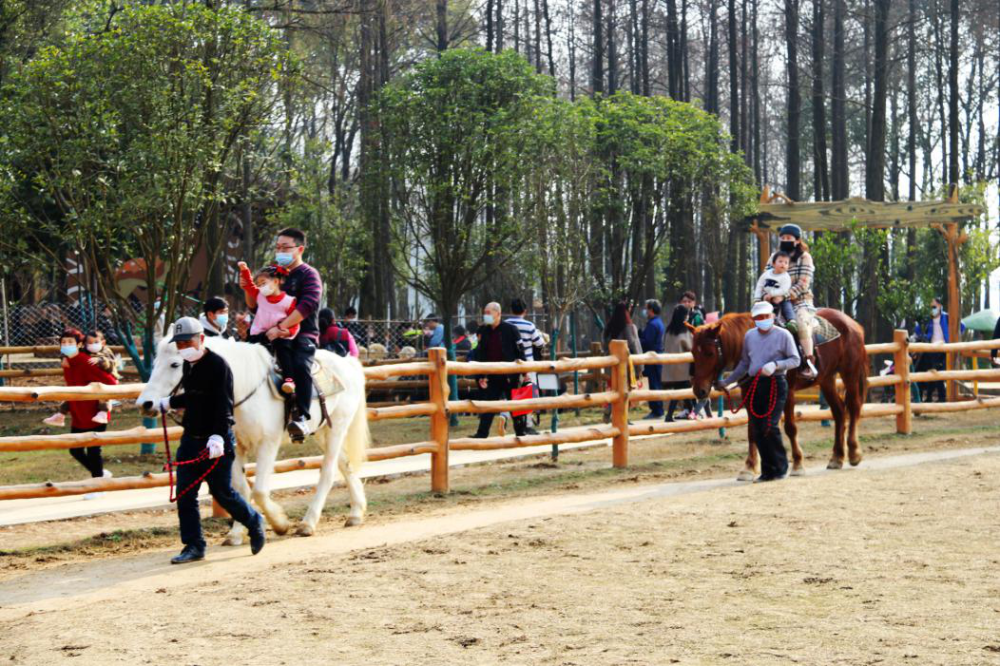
439, 407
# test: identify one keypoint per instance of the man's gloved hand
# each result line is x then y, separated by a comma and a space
719, 385
216, 446
769, 368
164, 404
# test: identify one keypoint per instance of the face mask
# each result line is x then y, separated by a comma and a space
95, 347
266, 290
221, 320
488, 319
788, 246
190, 354
284, 258
935, 312
764, 324
69, 351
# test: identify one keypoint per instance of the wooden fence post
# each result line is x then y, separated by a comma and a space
619, 408
901, 358
438, 393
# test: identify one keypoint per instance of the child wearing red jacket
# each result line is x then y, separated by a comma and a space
263, 295
79, 371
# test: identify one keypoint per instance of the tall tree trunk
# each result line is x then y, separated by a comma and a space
675, 67
442, 25
712, 62
911, 139
794, 99
755, 68
548, 37
840, 180
612, 47
744, 87
734, 91
597, 64
644, 53
489, 25
953, 173
821, 170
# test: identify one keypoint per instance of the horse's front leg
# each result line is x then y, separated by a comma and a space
276, 517
792, 430
240, 485
749, 470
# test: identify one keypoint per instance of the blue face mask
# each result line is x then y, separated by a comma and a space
764, 324
69, 351
488, 319
935, 312
221, 320
284, 258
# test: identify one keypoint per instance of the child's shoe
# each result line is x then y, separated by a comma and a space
58, 419
100, 417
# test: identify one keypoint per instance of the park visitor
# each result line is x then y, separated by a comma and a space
335, 338
652, 341
215, 317
82, 367
696, 314
768, 353
461, 341
206, 451
800, 270
935, 330
499, 342
773, 286
677, 340
264, 294
433, 332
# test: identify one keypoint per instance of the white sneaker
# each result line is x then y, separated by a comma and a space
300, 427
108, 474
92, 496
683, 416
57, 419
100, 417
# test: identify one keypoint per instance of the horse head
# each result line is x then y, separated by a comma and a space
168, 368
709, 360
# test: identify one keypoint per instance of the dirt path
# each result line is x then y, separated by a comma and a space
884, 564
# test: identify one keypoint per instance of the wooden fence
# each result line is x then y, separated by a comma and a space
439, 407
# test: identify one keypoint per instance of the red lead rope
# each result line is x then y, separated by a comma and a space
748, 399
170, 464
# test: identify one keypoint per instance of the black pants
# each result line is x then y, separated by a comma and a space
672, 405
295, 358
220, 484
90, 457
932, 361
766, 433
655, 383
498, 388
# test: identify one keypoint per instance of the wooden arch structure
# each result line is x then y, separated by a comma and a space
776, 209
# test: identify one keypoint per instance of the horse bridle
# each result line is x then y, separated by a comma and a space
239, 402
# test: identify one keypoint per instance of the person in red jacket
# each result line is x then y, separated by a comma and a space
79, 371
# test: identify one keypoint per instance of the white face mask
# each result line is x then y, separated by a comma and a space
191, 354
266, 289
95, 347
488, 319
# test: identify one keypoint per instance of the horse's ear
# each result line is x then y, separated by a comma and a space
690, 327
712, 330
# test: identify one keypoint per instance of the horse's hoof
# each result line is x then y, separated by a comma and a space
305, 529
353, 521
745, 475
856, 460
281, 527
797, 471
233, 541
835, 464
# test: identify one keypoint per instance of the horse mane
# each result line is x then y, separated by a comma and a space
249, 362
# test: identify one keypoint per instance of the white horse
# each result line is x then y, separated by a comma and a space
260, 426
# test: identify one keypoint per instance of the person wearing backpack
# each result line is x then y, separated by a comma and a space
334, 338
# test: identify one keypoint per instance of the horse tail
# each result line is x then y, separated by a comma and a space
358, 435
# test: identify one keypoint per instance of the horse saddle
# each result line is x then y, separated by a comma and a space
822, 330
323, 386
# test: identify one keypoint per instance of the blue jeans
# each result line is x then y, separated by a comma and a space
220, 484
787, 311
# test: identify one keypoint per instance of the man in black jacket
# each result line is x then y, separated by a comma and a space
498, 342
207, 402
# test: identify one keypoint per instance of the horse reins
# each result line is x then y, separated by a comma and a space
170, 464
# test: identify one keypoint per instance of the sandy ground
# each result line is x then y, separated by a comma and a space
893, 566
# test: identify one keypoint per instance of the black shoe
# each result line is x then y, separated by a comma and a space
257, 538
765, 479
478, 436
299, 429
652, 416
189, 554
669, 418
531, 431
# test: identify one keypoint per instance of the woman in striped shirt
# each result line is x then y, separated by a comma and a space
801, 270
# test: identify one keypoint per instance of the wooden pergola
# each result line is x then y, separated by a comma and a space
776, 210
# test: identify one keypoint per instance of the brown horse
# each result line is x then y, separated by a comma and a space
719, 345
